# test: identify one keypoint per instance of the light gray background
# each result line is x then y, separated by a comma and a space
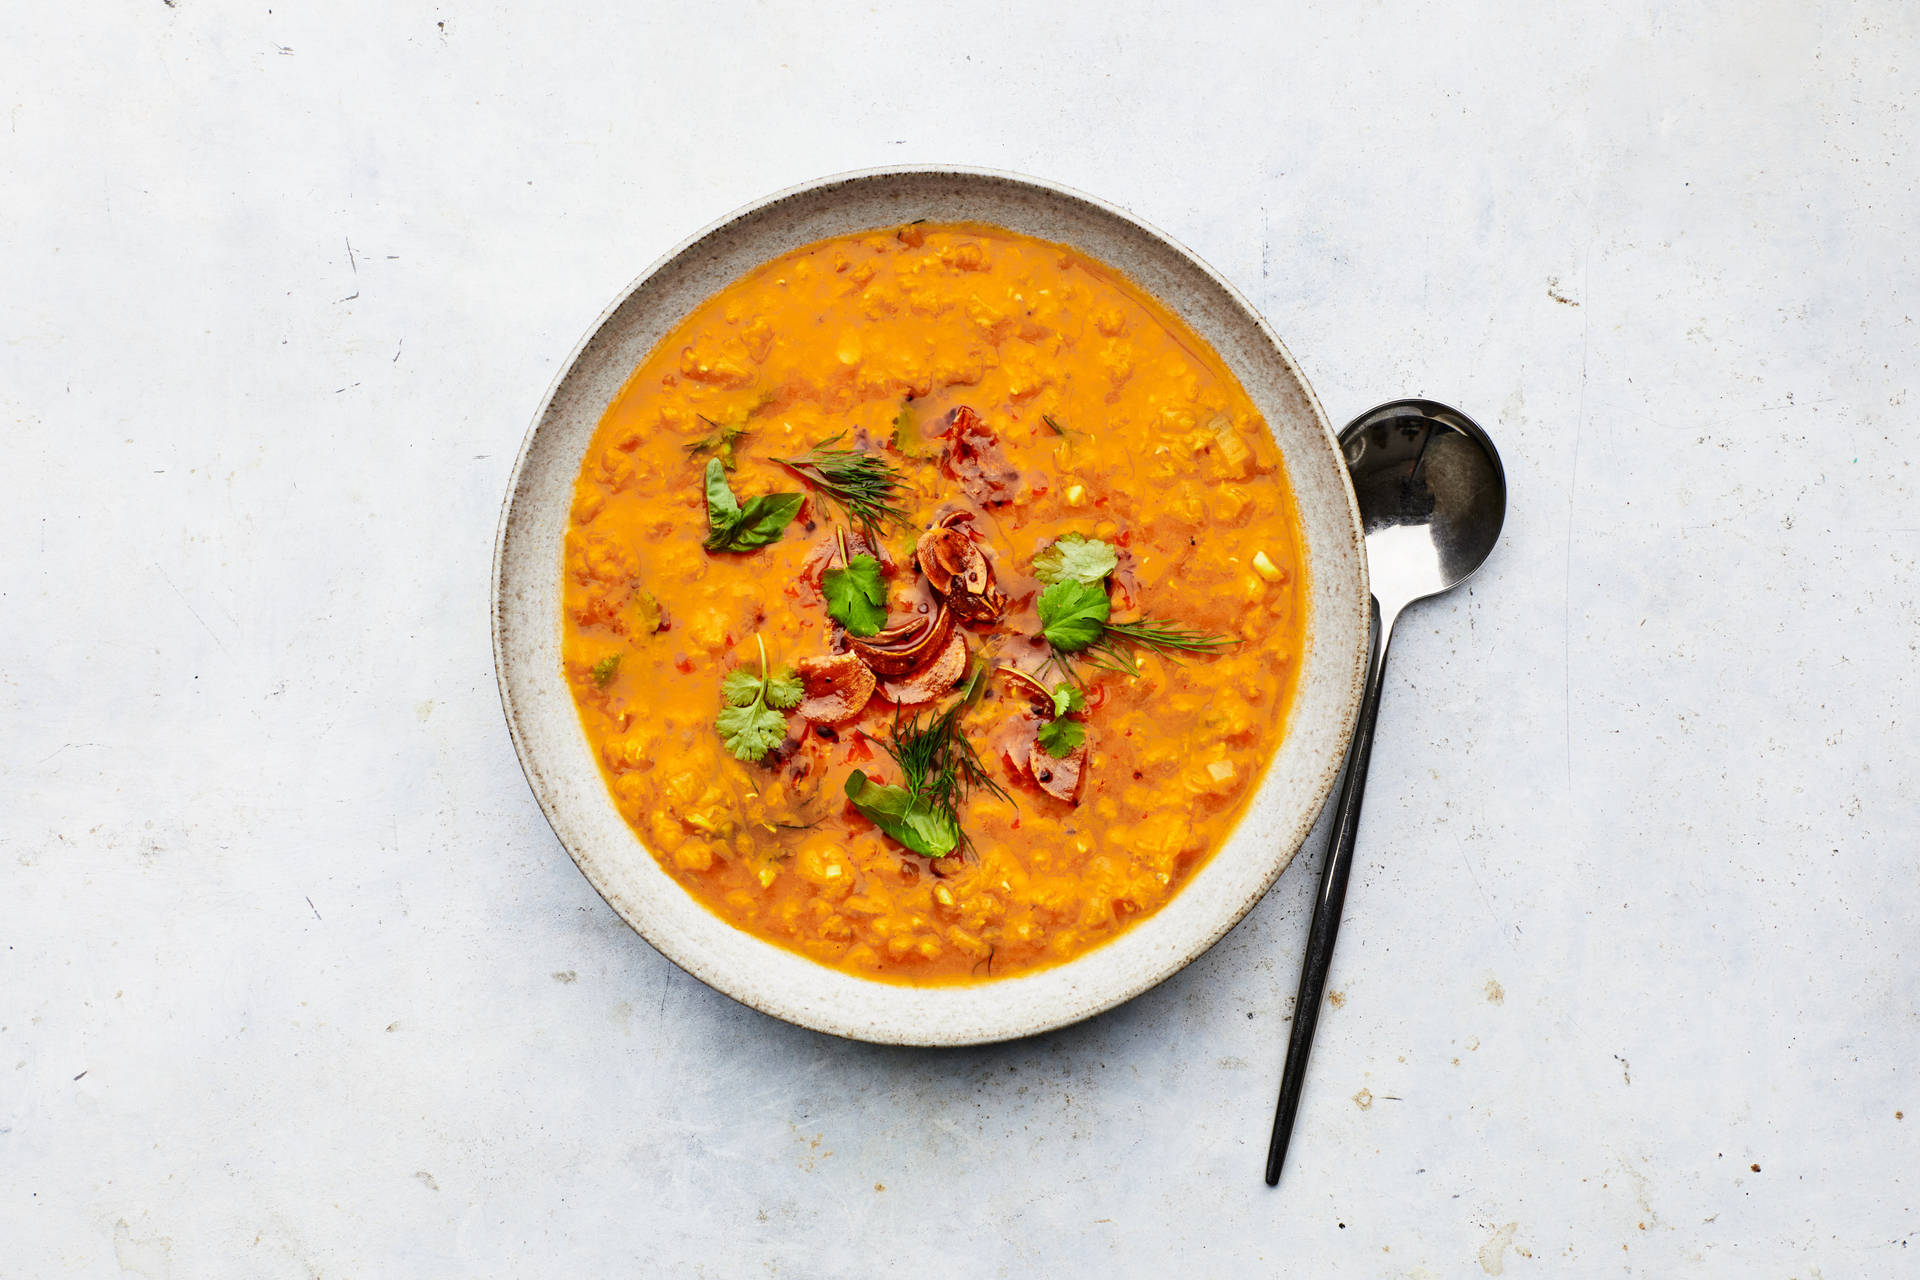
295, 981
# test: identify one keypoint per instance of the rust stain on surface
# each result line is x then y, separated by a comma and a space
1492, 1259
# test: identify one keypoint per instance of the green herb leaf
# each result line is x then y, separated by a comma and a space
1059, 738
651, 616
750, 732
720, 441
979, 676
913, 820
784, 691
1075, 558
723, 510
856, 597
1067, 698
905, 432
748, 726
604, 669
762, 521
1073, 614
731, 527
741, 688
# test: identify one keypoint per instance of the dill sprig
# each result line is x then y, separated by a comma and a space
864, 485
938, 763
1118, 643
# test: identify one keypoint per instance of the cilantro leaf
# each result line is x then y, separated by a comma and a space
1059, 738
741, 688
748, 725
1074, 557
1073, 614
731, 527
912, 820
1067, 698
784, 691
856, 598
751, 731
603, 670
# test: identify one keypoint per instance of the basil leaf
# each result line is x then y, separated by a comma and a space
902, 815
1073, 614
760, 524
856, 597
1067, 698
1074, 557
1059, 738
723, 509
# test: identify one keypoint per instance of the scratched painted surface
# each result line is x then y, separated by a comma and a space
294, 981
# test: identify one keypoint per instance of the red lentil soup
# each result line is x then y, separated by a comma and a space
933, 602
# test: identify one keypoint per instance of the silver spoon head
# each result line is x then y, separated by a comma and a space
1432, 498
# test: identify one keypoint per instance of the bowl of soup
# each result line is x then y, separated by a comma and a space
930, 606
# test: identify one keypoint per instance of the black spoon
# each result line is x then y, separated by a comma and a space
1432, 498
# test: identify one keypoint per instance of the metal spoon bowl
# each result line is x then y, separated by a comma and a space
1432, 499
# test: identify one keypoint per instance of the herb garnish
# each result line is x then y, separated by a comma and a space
1060, 737
719, 441
940, 767
731, 527
1163, 638
863, 484
912, 820
1067, 699
1075, 612
603, 670
904, 432
856, 597
649, 613
1076, 557
751, 724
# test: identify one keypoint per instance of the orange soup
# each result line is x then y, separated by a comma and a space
933, 602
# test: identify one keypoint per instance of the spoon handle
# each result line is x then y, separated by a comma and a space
1326, 912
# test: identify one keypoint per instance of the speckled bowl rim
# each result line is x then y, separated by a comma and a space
559, 764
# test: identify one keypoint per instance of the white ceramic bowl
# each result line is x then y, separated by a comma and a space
560, 765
